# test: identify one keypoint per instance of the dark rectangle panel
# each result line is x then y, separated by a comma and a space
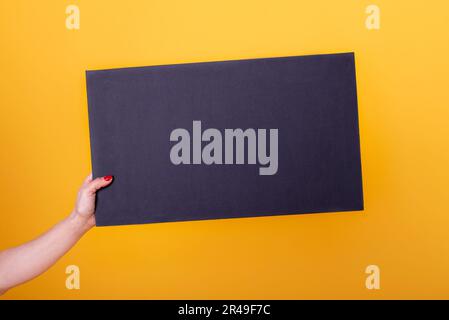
226, 139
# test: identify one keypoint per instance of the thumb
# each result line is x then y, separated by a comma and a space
98, 183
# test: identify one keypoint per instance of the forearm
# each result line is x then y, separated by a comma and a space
23, 263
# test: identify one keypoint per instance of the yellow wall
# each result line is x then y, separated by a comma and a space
402, 72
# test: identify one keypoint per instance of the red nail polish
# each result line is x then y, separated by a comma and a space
107, 178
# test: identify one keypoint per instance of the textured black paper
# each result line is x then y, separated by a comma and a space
311, 100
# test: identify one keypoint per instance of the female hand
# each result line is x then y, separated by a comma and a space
22, 263
85, 203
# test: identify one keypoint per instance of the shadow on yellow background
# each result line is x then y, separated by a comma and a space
403, 93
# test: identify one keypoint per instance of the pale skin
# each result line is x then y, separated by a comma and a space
29, 260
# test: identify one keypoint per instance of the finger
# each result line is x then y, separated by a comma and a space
99, 183
87, 180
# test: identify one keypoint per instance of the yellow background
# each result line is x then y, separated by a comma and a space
402, 72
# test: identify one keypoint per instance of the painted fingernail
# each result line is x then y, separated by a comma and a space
107, 178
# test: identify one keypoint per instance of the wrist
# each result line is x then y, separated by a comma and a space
80, 222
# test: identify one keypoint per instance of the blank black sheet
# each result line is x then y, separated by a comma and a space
310, 100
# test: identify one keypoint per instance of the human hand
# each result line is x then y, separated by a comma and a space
25, 262
85, 202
